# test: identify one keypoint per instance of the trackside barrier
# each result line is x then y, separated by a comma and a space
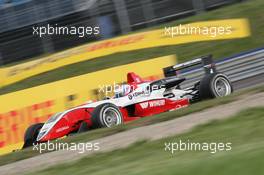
142, 40
237, 68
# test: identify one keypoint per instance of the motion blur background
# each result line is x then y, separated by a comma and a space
115, 17
40, 76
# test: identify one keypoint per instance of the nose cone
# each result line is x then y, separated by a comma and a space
44, 136
44, 131
53, 131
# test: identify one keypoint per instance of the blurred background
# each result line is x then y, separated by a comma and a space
43, 83
115, 17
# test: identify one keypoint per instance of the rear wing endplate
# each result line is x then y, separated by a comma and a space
206, 61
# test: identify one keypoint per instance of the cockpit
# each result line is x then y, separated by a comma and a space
122, 90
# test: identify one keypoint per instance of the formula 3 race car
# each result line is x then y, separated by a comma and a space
133, 100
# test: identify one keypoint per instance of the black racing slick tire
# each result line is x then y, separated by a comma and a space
214, 85
106, 115
31, 134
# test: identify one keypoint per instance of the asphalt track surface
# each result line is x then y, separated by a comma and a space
152, 132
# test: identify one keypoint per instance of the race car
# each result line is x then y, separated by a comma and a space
136, 99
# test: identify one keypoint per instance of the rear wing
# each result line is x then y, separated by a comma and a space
206, 61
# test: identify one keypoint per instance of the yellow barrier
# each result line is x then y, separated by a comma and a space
20, 109
239, 28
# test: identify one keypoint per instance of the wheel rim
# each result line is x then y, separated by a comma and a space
222, 87
111, 117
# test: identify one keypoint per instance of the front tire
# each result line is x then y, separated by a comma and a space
215, 85
106, 115
31, 134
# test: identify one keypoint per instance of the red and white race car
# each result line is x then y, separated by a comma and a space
138, 98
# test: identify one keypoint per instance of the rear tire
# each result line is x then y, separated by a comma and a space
106, 115
31, 134
214, 85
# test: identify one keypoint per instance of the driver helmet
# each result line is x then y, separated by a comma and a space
122, 90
